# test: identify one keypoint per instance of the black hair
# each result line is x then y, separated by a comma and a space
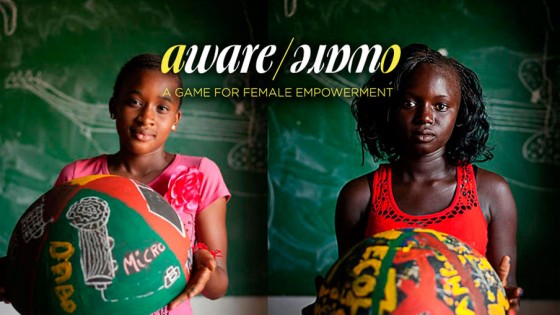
142, 62
468, 140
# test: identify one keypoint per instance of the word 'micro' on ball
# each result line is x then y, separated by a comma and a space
408, 272
99, 244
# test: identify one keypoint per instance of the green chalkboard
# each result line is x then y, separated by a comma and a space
514, 47
58, 63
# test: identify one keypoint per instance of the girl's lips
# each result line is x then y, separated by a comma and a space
143, 135
424, 136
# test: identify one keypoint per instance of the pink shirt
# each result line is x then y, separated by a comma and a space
212, 188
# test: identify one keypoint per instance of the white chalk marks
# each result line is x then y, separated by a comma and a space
90, 118
90, 216
8, 9
538, 116
32, 222
171, 275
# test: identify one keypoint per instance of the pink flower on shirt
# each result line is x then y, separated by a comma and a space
183, 190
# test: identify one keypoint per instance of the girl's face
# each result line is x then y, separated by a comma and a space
427, 110
144, 115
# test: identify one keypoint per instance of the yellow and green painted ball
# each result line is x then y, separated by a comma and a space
408, 272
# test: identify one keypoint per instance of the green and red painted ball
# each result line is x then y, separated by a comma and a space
99, 244
409, 272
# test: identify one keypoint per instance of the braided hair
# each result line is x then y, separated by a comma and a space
468, 140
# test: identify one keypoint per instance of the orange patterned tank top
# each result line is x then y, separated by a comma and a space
463, 218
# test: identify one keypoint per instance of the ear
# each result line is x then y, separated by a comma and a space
177, 117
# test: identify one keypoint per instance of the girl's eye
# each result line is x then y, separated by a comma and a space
408, 104
441, 107
133, 102
163, 109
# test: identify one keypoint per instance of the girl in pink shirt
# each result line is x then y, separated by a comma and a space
145, 116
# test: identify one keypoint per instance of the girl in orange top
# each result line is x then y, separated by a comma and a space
430, 130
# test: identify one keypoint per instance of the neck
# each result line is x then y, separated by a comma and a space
136, 166
423, 168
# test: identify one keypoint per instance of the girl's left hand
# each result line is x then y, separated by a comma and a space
203, 267
513, 293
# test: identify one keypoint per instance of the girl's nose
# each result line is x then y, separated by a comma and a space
146, 115
425, 114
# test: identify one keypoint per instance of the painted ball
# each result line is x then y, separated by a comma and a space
408, 272
99, 244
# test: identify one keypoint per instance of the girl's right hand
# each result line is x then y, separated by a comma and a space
513, 293
203, 267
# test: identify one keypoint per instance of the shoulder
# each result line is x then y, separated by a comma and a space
200, 162
82, 162
357, 188
210, 170
490, 184
82, 167
360, 189
355, 196
351, 212
494, 193
187, 160
208, 164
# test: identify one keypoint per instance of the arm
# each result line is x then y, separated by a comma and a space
351, 213
496, 198
211, 230
209, 275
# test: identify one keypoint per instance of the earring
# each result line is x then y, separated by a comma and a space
112, 116
173, 127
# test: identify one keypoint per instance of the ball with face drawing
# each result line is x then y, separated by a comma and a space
99, 244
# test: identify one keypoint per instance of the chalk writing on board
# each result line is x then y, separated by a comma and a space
290, 8
8, 9
249, 154
242, 128
48, 20
538, 116
542, 146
